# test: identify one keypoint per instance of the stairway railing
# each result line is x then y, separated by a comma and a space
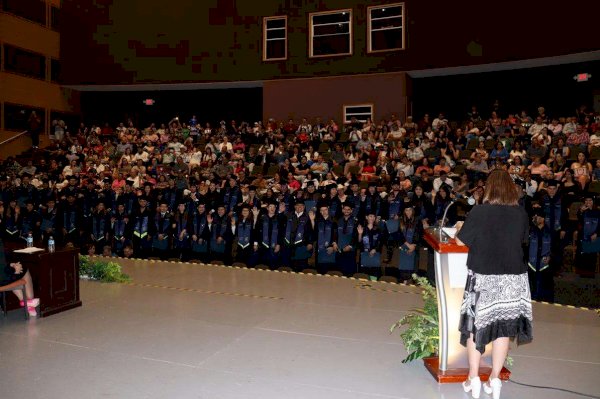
16, 136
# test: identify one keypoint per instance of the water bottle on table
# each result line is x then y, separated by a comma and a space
29, 240
51, 245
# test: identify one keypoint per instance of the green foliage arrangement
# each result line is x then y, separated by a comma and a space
107, 272
421, 337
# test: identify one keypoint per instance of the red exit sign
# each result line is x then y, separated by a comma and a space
149, 101
582, 77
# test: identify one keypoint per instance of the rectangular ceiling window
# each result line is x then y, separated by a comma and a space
330, 33
275, 38
360, 113
385, 30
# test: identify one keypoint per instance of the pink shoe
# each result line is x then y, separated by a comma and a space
32, 312
35, 302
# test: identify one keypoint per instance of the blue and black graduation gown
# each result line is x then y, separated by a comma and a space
232, 196
169, 195
347, 236
98, 230
555, 219
244, 232
270, 234
391, 225
48, 225
298, 235
142, 231
119, 232
412, 231
46, 195
88, 203
354, 199
371, 204
326, 235
220, 227
25, 193
540, 267
12, 226
130, 201
163, 227
371, 239
439, 206
70, 223
181, 222
29, 223
423, 208
587, 250
335, 207
199, 228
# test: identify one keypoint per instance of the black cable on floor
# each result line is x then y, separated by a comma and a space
553, 388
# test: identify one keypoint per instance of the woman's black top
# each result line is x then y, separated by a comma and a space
495, 235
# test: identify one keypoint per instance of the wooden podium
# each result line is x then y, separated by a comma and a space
450, 262
55, 279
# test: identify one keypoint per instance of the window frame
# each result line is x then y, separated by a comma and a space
274, 18
311, 31
345, 113
370, 32
44, 76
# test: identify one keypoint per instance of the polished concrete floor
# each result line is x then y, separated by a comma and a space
195, 331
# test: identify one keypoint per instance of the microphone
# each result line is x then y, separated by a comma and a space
470, 200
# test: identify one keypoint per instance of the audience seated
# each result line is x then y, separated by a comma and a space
260, 193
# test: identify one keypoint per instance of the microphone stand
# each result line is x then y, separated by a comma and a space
444, 218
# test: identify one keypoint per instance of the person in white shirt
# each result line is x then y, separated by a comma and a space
405, 166
141, 154
304, 125
442, 179
196, 158
594, 141
414, 153
537, 127
555, 127
439, 122
571, 126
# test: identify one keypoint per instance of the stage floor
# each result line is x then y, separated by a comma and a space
195, 331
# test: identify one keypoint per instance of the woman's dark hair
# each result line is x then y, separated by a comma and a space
500, 189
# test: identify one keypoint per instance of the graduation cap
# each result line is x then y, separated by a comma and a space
252, 188
143, 198
539, 212
589, 195
299, 201
72, 177
552, 183
322, 203
129, 183
148, 184
372, 184
71, 194
271, 201
349, 204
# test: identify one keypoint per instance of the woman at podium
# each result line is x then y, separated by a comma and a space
497, 300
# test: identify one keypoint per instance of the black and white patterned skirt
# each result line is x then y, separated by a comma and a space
494, 306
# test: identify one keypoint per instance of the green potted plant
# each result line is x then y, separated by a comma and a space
107, 272
421, 337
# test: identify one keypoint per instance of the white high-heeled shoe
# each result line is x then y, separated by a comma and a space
474, 386
493, 387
